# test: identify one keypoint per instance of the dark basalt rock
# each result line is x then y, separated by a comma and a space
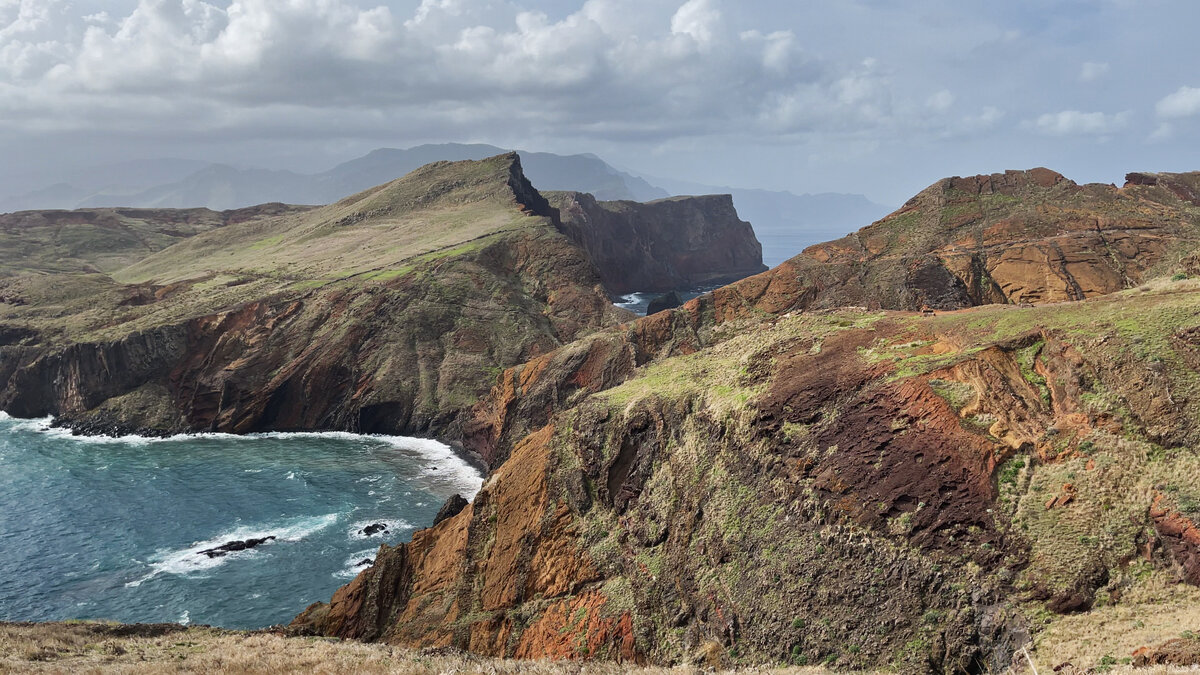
366, 561
678, 242
236, 545
374, 529
663, 302
451, 508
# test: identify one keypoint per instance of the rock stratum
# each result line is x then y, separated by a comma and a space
663, 245
390, 311
809, 466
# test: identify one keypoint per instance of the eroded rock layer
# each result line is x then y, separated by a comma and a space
1021, 236
390, 311
663, 245
753, 477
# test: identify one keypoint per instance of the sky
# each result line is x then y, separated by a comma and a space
878, 97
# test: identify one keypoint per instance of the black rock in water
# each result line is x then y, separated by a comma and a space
665, 301
451, 508
237, 545
366, 561
372, 530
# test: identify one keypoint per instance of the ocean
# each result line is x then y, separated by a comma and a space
116, 528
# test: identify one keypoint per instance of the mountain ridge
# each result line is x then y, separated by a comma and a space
223, 187
388, 311
766, 475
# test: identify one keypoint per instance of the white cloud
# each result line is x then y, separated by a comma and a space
1091, 71
940, 101
698, 19
1164, 131
614, 68
1185, 102
1076, 123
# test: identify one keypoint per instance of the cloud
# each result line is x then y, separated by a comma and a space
1185, 102
612, 68
1164, 131
698, 19
940, 101
1091, 71
1076, 123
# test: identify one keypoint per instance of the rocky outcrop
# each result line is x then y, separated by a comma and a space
1021, 236
235, 546
406, 349
391, 311
751, 476
665, 301
1180, 536
1183, 651
951, 246
793, 483
452, 507
664, 245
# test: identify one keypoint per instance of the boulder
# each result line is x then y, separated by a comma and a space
664, 302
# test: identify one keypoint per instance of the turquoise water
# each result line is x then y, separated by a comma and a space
112, 528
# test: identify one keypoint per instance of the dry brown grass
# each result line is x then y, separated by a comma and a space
102, 648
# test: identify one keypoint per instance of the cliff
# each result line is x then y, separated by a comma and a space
752, 478
662, 245
1020, 236
390, 311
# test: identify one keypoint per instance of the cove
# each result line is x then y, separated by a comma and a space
117, 527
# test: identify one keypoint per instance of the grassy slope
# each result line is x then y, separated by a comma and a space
105, 240
440, 211
1115, 471
431, 210
102, 649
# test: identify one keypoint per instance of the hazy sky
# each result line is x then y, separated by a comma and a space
880, 97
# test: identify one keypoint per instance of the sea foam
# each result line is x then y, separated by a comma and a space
191, 561
444, 464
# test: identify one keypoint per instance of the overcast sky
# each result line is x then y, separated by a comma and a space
880, 97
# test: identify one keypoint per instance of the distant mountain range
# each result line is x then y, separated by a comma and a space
785, 222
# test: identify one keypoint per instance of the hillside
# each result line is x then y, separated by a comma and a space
103, 648
389, 311
105, 240
100, 648
755, 476
1021, 236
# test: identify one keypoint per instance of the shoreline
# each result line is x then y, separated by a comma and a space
116, 431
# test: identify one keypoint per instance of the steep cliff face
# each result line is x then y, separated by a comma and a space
752, 478
390, 311
1021, 236
853, 487
662, 245
928, 254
